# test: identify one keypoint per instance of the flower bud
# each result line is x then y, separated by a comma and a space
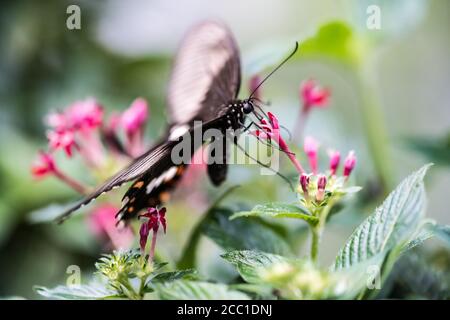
304, 183
349, 163
335, 158
311, 146
321, 184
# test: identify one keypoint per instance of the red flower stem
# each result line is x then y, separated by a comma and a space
152, 247
283, 146
92, 149
78, 187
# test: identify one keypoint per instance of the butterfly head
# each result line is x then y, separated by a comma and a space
247, 106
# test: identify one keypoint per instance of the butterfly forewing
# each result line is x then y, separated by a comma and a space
206, 74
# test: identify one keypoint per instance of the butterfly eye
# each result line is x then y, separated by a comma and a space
247, 108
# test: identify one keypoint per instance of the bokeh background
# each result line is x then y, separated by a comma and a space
390, 102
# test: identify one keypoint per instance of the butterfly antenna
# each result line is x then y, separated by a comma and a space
275, 70
287, 131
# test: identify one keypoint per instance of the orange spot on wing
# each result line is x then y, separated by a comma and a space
164, 196
138, 184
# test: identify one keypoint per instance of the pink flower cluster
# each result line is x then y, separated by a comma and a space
81, 129
311, 147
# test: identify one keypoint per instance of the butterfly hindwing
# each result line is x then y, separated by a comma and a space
149, 191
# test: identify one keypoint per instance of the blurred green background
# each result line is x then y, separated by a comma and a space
390, 102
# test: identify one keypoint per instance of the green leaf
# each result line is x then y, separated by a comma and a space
427, 230
249, 263
293, 278
175, 275
196, 290
278, 210
187, 260
391, 225
334, 40
243, 234
78, 292
443, 233
436, 149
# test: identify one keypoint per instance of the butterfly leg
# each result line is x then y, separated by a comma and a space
264, 165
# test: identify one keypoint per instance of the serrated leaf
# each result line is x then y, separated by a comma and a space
278, 210
243, 234
250, 263
196, 290
77, 292
393, 223
427, 230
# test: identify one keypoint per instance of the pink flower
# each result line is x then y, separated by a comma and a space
81, 115
270, 130
253, 84
133, 121
134, 118
321, 184
349, 163
62, 140
57, 121
44, 165
311, 146
155, 218
102, 223
85, 115
335, 158
313, 95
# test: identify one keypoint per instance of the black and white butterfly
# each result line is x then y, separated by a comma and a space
203, 86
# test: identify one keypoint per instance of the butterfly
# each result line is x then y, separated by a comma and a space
203, 87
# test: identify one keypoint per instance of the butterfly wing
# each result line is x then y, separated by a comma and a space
155, 166
206, 74
152, 162
205, 77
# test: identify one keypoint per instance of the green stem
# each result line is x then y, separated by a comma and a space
187, 260
317, 230
315, 244
131, 293
374, 125
142, 287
